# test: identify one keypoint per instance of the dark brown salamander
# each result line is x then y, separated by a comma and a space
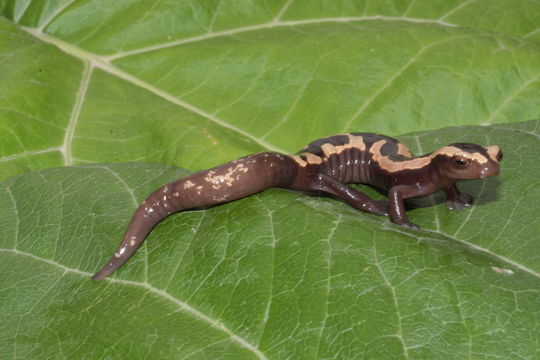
327, 165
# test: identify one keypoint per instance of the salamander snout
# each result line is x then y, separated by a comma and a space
489, 170
491, 167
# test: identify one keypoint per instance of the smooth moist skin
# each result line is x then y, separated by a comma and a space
327, 165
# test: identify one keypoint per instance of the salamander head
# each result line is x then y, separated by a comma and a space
461, 161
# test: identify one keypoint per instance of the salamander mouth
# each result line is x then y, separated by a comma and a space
488, 171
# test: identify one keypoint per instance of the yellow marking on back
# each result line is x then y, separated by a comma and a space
493, 151
299, 160
451, 151
310, 159
328, 149
392, 166
403, 150
355, 142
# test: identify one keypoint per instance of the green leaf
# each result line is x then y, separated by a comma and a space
197, 83
277, 275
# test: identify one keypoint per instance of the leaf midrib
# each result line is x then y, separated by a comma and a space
216, 323
99, 62
95, 61
92, 61
270, 25
472, 246
155, 291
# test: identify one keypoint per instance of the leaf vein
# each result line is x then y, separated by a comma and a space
155, 291
511, 97
487, 251
17, 216
270, 25
328, 282
272, 270
395, 300
431, 197
57, 12
76, 111
455, 9
282, 12
105, 65
391, 79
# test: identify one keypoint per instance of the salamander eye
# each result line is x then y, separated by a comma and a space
499, 156
461, 162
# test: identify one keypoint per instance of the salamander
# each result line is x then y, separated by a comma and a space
325, 165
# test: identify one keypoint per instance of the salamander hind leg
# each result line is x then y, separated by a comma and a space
353, 197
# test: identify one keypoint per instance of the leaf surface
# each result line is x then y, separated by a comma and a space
197, 83
277, 275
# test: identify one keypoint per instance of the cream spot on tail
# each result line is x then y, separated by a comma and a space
220, 198
189, 184
228, 178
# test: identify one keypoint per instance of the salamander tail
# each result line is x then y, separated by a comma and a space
228, 182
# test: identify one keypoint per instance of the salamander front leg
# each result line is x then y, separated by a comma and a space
396, 195
455, 199
355, 198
